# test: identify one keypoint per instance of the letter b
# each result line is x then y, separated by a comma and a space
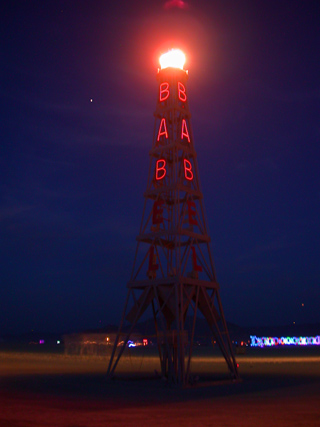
182, 92
188, 170
164, 91
160, 169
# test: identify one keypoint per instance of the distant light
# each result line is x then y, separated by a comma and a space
274, 341
175, 58
41, 341
58, 342
91, 100
131, 344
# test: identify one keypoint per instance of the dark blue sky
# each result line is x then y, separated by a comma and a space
73, 172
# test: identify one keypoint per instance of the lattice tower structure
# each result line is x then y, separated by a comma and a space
173, 271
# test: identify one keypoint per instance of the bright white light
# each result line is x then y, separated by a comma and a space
175, 58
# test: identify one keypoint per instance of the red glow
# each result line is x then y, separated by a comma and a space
160, 169
184, 130
188, 170
196, 267
152, 258
157, 212
164, 91
176, 3
192, 212
162, 132
182, 92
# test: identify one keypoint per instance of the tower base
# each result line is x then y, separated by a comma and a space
175, 342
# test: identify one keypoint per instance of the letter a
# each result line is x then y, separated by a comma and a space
160, 169
164, 91
164, 131
188, 170
184, 130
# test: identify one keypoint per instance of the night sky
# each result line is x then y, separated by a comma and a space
78, 93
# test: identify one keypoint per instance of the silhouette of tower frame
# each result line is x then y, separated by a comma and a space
173, 270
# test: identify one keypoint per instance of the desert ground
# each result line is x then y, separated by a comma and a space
279, 387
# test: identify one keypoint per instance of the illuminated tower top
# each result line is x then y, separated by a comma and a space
174, 58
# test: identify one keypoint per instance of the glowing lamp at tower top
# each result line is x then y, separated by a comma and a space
175, 58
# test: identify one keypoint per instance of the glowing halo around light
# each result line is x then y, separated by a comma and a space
175, 58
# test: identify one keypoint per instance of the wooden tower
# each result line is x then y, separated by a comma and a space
173, 271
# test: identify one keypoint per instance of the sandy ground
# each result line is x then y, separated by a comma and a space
55, 390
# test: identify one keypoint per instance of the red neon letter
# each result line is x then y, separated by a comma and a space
160, 169
184, 130
152, 258
196, 267
188, 170
182, 92
157, 212
192, 213
164, 91
162, 132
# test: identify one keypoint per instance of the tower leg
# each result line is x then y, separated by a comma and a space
111, 368
192, 335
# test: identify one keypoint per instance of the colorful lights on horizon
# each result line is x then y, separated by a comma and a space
274, 341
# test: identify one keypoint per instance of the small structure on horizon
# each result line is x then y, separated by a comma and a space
98, 343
